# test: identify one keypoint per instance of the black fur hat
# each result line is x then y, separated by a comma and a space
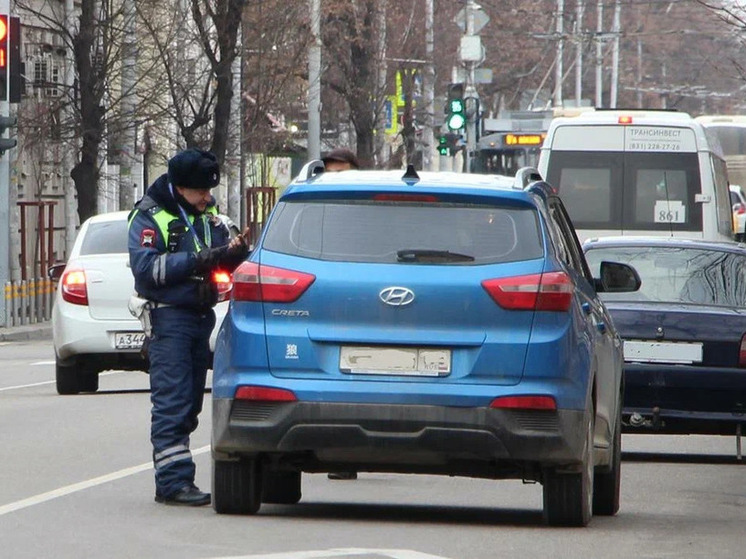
194, 168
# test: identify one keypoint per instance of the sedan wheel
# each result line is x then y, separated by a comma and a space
568, 498
74, 379
236, 486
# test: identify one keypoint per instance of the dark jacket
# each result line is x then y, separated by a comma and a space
163, 251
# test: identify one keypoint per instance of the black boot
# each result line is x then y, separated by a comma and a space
189, 496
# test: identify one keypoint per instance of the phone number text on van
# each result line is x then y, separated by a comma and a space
654, 146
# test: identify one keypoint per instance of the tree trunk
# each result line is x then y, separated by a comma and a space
85, 174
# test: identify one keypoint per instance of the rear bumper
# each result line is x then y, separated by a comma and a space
684, 398
76, 333
480, 442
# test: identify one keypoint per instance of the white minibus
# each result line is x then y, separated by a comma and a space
639, 172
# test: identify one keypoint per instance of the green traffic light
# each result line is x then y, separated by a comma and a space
457, 105
456, 121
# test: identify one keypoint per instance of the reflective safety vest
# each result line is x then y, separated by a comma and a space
162, 218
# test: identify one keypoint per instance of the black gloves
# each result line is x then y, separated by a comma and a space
209, 259
234, 256
227, 257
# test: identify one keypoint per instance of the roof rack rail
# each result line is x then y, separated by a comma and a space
525, 176
310, 170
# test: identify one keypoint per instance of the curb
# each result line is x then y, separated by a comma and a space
42, 331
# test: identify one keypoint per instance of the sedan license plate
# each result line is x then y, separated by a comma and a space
427, 362
662, 352
128, 340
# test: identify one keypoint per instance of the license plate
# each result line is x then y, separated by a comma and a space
662, 352
427, 362
128, 340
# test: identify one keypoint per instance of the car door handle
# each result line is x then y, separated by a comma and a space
586, 308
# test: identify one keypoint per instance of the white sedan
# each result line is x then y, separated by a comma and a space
92, 327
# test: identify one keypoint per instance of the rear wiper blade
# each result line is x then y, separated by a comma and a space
426, 255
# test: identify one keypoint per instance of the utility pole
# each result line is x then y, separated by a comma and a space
71, 146
428, 89
314, 83
5, 188
471, 53
579, 52
558, 67
599, 54
381, 154
616, 30
127, 140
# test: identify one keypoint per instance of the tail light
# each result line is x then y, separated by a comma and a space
742, 352
256, 282
73, 286
264, 394
222, 280
541, 292
524, 403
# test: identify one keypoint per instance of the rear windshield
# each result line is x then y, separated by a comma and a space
107, 237
678, 275
630, 192
433, 233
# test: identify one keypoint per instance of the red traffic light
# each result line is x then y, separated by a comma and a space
3, 41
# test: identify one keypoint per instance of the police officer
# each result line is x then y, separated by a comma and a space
176, 241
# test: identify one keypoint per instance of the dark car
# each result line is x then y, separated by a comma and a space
684, 333
433, 323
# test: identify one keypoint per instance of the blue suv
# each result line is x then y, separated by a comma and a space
438, 323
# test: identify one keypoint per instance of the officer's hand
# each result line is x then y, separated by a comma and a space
239, 246
209, 258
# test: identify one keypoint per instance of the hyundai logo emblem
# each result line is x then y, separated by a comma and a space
396, 296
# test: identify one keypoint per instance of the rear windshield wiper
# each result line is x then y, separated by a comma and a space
425, 255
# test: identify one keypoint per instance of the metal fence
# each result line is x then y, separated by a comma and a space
28, 301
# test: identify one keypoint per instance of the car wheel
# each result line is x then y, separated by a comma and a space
281, 488
74, 378
606, 484
568, 498
236, 486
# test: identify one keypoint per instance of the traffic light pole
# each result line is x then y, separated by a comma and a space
4, 196
471, 93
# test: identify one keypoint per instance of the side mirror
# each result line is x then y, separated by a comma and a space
54, 272
617, 278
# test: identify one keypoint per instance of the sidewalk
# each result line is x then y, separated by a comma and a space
38, 331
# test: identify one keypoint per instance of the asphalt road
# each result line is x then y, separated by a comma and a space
76, 481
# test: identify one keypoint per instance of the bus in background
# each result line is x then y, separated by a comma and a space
503, 153
639, 172
731, 131
514, 139
511, 141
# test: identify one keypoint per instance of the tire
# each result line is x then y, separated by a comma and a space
568, 498
236, 486
282, 488
74, 378
607, 484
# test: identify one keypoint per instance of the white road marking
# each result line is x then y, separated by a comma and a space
74, 488
42, 363
26, 385
18, 386
351, 552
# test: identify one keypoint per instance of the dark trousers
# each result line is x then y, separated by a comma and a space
179, 355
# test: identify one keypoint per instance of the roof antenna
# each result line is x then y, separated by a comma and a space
411, 174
